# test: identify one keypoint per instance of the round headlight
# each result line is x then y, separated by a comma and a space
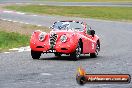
42, 36
63, 38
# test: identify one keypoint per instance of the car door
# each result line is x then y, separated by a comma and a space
89, 43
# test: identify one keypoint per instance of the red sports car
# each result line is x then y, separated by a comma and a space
66, 37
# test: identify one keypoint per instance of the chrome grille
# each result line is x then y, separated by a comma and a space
53, 38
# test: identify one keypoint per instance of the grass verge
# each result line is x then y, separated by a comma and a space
12, 39
110, 13
13, 35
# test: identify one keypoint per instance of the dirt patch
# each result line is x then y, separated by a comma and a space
20, 28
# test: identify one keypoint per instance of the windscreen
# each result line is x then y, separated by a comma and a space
68, 26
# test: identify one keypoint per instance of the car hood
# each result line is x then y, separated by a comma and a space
62, 32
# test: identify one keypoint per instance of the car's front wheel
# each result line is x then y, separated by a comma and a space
77, 53
35, 54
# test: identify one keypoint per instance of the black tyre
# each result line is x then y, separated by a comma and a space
35, 55
94, 55
77, 53
57, 54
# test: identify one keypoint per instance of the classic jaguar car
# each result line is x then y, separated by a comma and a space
66, 37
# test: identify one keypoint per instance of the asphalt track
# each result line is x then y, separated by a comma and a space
18, 70
109, 4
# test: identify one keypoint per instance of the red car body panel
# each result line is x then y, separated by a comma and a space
73, 37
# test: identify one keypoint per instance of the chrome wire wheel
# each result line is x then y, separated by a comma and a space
97, 49
94, 55
77, 53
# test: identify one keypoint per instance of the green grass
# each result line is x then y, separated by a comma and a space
110, 13
88, 0
11, 40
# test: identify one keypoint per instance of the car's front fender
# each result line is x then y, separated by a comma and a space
36, 44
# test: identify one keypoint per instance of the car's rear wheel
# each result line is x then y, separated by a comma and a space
94, 55
58, 54
77, 53
35, 54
